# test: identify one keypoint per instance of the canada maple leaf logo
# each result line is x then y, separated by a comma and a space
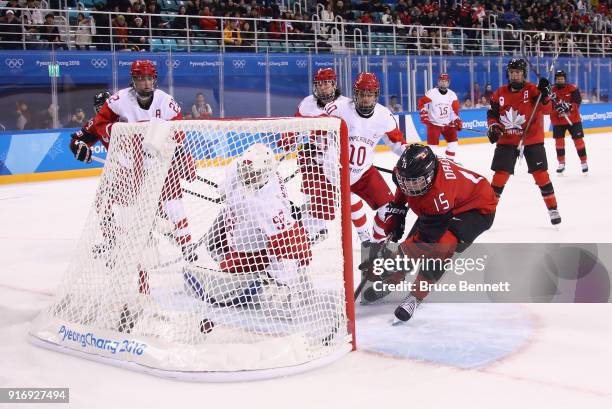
512, 119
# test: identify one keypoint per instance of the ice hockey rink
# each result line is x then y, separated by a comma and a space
449, 356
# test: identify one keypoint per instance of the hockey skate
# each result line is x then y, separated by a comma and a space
561, 168
555, 217
406, 309
585, 168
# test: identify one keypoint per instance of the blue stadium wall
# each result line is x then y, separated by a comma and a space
44, 155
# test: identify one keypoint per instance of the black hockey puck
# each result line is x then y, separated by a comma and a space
206, 326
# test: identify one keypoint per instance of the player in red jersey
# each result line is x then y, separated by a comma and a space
566, 117
454, 206
141, 102
512, 106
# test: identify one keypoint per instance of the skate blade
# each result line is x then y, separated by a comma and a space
397, 322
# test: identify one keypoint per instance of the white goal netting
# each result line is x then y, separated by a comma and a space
212, 247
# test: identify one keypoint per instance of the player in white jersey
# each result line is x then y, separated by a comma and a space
439, 109
256, 232
367, 123
316, 156
137, 103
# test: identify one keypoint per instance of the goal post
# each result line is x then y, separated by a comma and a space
215, 250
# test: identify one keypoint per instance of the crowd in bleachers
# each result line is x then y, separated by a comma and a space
138, 25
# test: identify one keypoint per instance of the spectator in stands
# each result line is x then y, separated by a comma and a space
121, 33
468, 104
10, 32
77, 120
248, 37
155, 21
179, 24
84, 32
201, 110
50, 32
24, 116
482, 103
366, 18
207, 22
139, 35
138, 6
488, 93
343, 10
394, 106
231, 36
11, 5
476, 88
101, 23
194, 7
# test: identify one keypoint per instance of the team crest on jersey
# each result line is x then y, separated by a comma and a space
512, 120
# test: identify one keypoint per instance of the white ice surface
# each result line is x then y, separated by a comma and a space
547, 356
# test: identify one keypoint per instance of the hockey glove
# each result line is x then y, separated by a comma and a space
80, 149
458, 123
424, 116
563, 108
396, 221
495, 132
544, 87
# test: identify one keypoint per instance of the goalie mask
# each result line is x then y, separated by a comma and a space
99, 100
325, 86
144, 78
415, 170
366, 89
256, 166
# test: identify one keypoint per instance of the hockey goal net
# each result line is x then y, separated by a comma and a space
214, 250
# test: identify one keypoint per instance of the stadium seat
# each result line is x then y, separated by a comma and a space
211, 45
182, 44
170, 44
157, 45
277, 47
297, 47
197, 45
168, 5
263, 46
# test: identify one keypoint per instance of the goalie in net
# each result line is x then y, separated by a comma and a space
256, 232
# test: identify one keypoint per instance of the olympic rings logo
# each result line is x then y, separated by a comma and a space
301, 63
173, 63
13, 63
99, 62
239, 63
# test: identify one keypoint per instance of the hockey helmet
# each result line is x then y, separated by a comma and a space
366, 89
256, 165
99, 100
415, 170
325, 85
139, 71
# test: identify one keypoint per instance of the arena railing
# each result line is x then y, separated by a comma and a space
183, 33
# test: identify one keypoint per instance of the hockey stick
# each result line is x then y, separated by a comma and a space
537, 73
475, 131
384, 170
97, 159
521, 145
